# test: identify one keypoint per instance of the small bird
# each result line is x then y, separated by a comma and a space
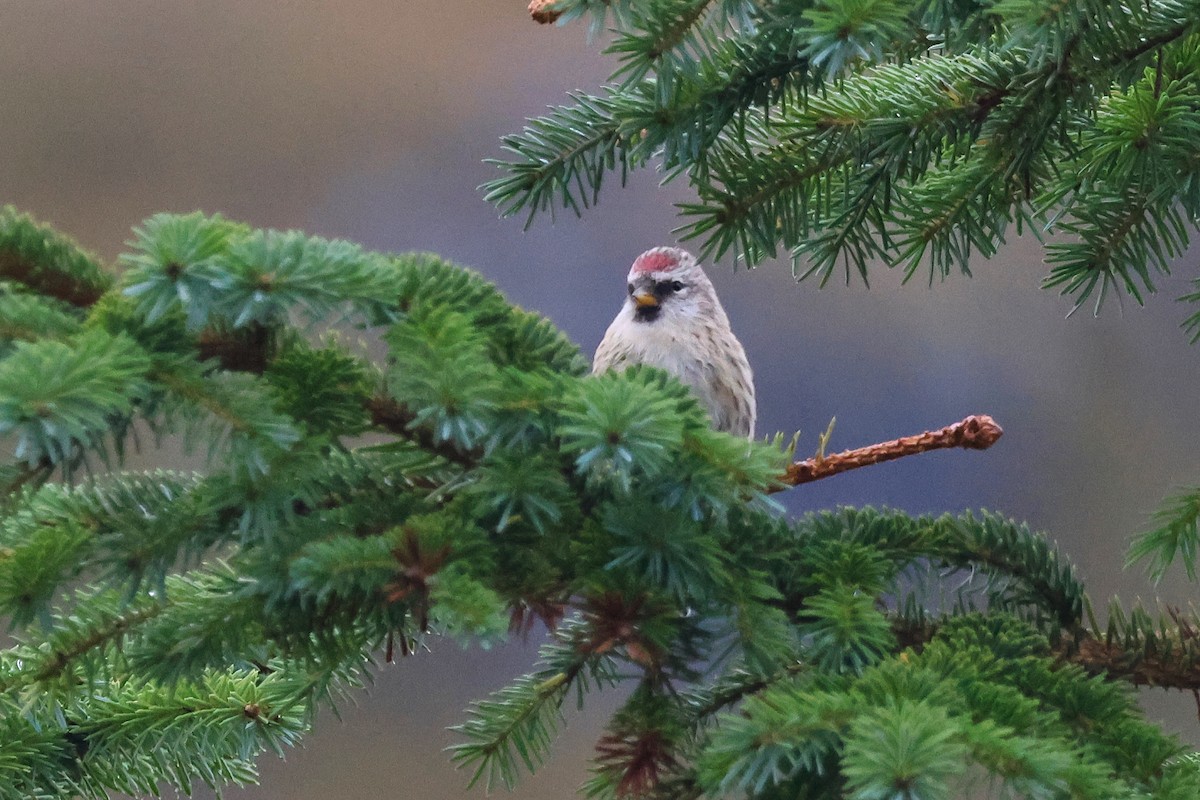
672, 319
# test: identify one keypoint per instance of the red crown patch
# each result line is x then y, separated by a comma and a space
655, 261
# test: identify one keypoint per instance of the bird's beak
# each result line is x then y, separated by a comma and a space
645, 300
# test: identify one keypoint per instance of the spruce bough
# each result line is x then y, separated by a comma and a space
851, 134
172, 627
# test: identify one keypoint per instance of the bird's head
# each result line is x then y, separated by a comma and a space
667, 282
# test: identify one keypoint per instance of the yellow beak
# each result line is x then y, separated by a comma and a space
645, 300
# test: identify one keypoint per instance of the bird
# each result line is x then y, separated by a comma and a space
672, 319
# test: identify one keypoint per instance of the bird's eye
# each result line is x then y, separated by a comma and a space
676, 286
631, 288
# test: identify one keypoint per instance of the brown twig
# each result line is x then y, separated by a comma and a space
976, 432
246, 349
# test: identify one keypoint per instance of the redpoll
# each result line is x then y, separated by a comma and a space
672, 319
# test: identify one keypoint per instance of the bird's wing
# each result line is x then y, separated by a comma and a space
612, 353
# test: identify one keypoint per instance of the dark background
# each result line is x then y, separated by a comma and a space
368, 120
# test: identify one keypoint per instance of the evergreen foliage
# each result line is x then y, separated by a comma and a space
171, 627
1176, 534
850, 133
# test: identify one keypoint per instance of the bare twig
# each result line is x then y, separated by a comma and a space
977, 432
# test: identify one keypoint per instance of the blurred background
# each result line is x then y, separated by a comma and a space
369, 120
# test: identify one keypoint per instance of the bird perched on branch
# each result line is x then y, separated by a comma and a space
672, 319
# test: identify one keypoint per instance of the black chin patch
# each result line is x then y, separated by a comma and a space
646, 313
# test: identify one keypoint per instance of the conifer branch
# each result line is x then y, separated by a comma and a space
1176, 534
565, 154
53, 284
731, 693
1028, 98
42, 667
28, 317
16, 478
517, 724
47, 262
610, 496
391, 415
1131, 651
1172, 24
668, 32
1177, 668
1165, 661
976, 432
245, 349
675, 31
743, 76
